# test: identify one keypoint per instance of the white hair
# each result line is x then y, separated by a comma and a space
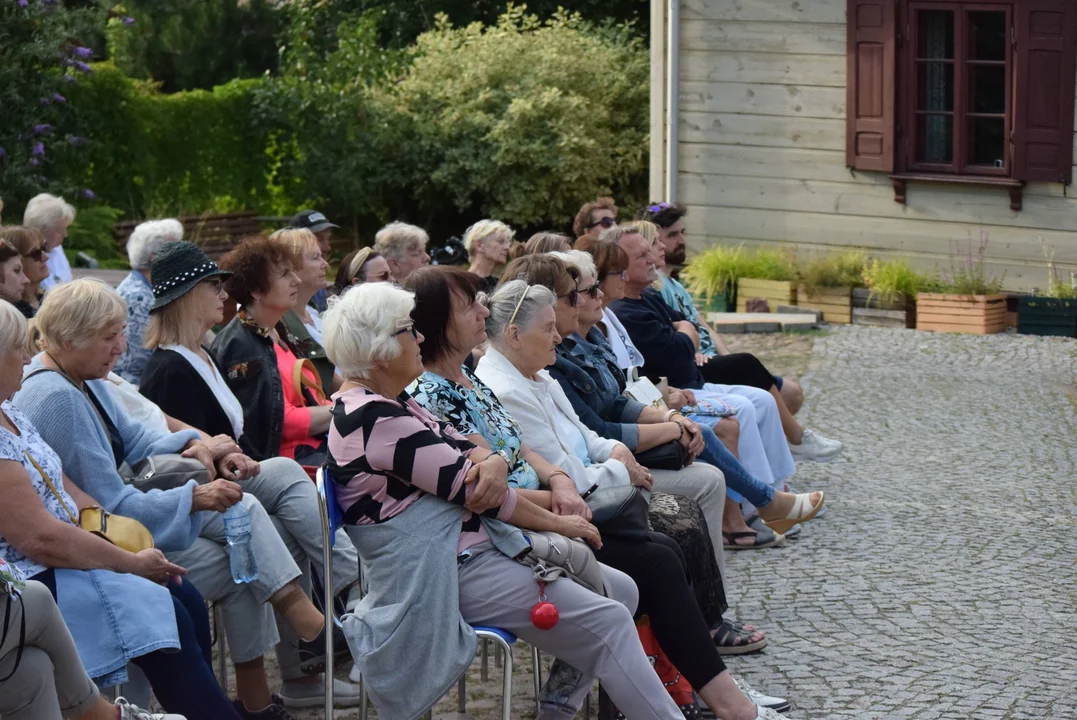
359, 328
148, 239
45, 212
484, 229
507, 303
397, 238
12, 327
583, 262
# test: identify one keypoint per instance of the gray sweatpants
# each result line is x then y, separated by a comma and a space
706, 485
50, 682
595, 635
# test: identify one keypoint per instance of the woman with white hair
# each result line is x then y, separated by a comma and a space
65, 394
52, 216
403, 246
136, 289
487, 243
424, 503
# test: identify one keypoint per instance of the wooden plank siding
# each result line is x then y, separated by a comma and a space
761, 155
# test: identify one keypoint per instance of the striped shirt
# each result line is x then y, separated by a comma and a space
384, 454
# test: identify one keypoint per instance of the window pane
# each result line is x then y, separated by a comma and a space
935, 34
935, 139
987, 89
935, 86
987, 142
987, 36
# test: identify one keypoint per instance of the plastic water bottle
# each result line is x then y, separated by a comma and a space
237, 532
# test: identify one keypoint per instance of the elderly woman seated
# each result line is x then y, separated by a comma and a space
361, 266
523, 335
588, 373
51, 216
303, 323
424, 503
404, 248
115, 602
285, 411
31, 246
65, 396
487, 243
137, 291
183, 381
450, 317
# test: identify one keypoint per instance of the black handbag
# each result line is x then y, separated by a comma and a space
667, 456
620, 512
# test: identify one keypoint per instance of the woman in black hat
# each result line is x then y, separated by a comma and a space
183, 380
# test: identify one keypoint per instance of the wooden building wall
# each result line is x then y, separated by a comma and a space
761, 152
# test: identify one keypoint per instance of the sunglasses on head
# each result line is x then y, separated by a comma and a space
606, 222
410, 328
573, 296
658, 207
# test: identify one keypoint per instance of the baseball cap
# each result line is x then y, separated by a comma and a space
311, 220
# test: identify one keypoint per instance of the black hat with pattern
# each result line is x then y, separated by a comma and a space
177, 269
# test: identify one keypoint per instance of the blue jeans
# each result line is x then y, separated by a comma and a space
183, 680
739, 482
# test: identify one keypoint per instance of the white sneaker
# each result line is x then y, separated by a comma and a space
133, 712
355, 676
776, 704
815, 447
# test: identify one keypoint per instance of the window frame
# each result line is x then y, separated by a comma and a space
907, 86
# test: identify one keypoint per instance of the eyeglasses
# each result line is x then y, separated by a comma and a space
215, 284
410, 328
38, 255
573, 296
606, 222
592, 291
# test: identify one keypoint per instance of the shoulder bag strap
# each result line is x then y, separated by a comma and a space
22, 634
300, 381
55, 492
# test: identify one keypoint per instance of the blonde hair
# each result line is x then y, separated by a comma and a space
74, 313
583, 262
299, 240
647, 229
176, 323
482, 230
12, 327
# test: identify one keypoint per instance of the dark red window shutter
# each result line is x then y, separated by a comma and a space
1046, 68
872, 44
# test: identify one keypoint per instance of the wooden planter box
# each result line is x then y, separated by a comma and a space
979, 314
836, 304
775, 292
718, 303
869, 310
1047, 316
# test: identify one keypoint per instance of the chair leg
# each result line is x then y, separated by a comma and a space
484, 664
506, 692
536, 670
461, 694
362, 699
497, 655
222, 647
587, 707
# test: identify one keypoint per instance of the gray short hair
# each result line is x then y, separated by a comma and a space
517, 298
583, 262
148, 238
74, 313
397, 238
359, 328
12, 327
484, 229
45, 212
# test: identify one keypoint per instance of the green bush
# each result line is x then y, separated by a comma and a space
92, 232
770, 265
891, 280
837, 270
714, 272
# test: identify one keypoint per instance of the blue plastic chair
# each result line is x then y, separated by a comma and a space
332, 519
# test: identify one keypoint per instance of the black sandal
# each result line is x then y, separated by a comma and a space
731, 641
760, 541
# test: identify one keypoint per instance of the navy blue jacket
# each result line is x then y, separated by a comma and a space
667, 353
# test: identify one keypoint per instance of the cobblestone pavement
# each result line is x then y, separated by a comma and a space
941, 582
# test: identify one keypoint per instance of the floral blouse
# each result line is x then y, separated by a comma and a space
15, 447
476, 412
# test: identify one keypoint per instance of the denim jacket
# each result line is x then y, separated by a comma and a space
245, 355
594, 391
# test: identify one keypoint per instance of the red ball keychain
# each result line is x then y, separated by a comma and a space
544, 615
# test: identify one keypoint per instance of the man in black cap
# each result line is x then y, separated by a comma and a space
323, 230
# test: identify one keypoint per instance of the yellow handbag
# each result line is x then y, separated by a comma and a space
123, 532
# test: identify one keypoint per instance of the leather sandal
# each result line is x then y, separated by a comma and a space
802, 511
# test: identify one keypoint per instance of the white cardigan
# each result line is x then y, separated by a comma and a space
550, 425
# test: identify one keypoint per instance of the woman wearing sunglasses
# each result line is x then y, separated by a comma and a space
31, 247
